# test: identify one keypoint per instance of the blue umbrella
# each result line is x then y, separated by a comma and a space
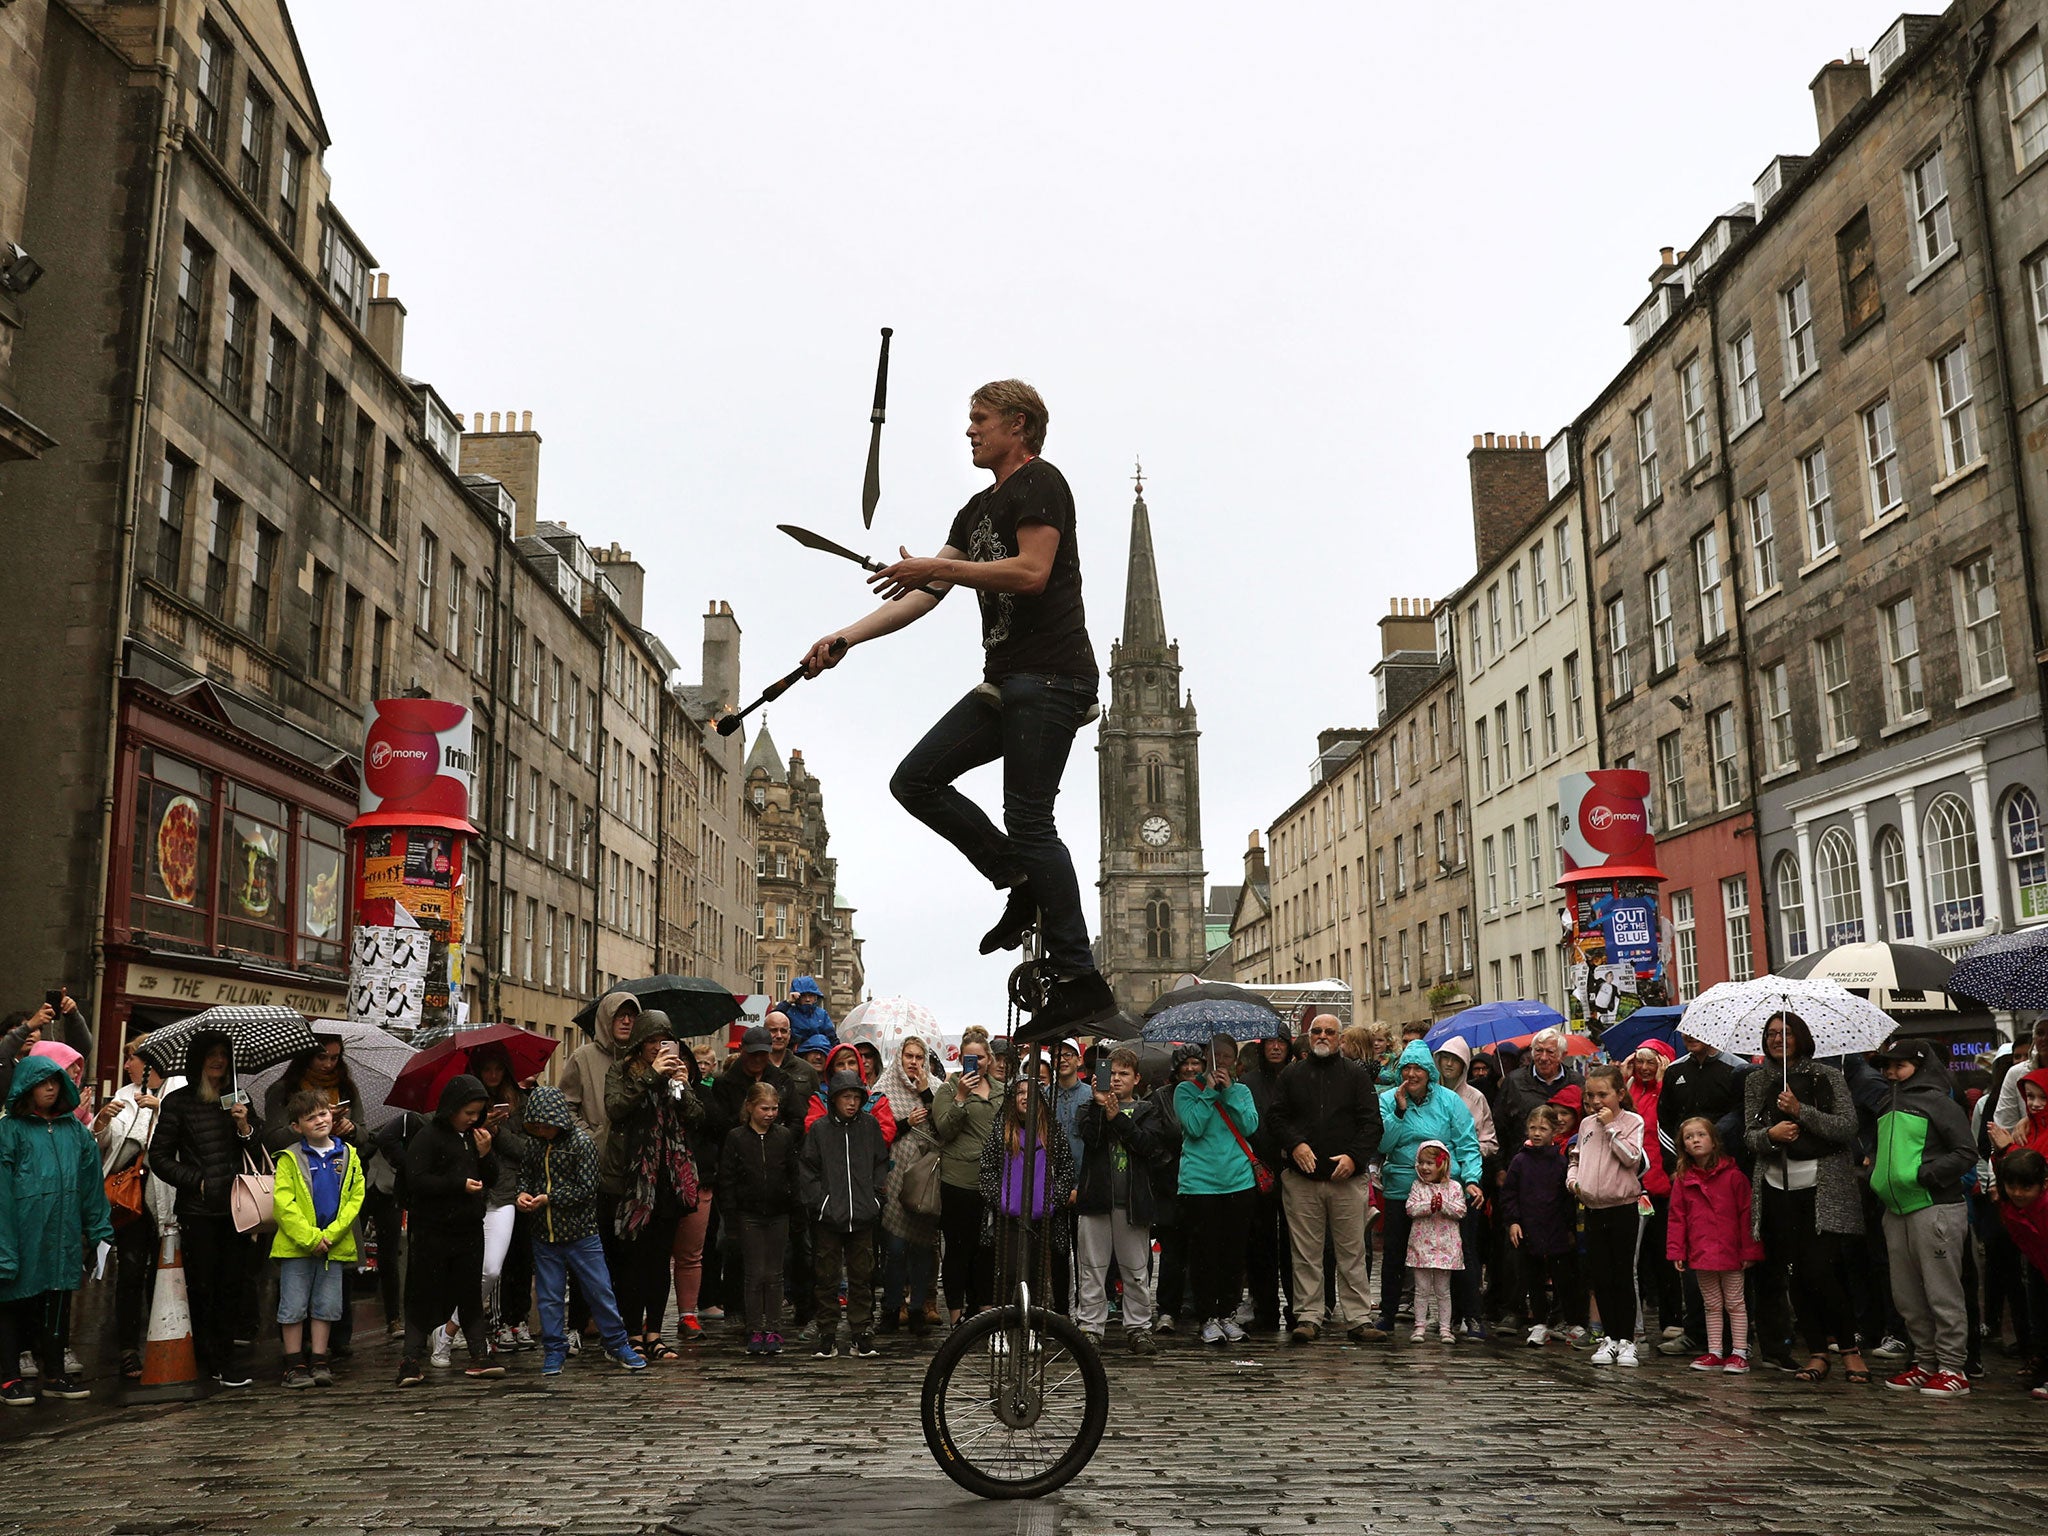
2007, 970
1199, 1023
1490, 1023
1625, 1037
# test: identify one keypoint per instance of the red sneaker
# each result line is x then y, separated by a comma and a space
689, 1327
1736, 1365
1911, 1379
1708, 1363
1946, 1384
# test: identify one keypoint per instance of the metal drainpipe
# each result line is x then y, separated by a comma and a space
131, 481
1979, 40
604, 750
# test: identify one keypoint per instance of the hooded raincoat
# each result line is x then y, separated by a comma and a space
1924, 1145
52, 1203
842, 1060
806, 1012
562, 1167
583, 1079
1475, 1101
1441, 1116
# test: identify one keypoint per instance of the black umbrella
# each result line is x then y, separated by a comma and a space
1894, 976
257, 1038
1207, 992
694, 1006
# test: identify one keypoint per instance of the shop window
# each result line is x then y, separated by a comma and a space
254, 868
2024, 849
169, 881
320, 880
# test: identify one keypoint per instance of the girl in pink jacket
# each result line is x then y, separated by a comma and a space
1606, 1173
1708, 1233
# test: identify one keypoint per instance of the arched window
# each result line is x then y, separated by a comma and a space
1155, 781
2027, 854
1841, 890
1955, 885
1158, 928
1895, 900
1791, 906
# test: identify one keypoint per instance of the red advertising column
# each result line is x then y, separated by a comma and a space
1620, 952
407, 862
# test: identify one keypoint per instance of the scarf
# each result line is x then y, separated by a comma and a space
660, 1163
895, 1086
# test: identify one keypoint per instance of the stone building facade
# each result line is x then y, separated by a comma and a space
1320, 915
1149, 772
722, 925
1251, 920
800, 926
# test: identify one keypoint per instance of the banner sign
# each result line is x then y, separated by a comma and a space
1604, 826
417, 766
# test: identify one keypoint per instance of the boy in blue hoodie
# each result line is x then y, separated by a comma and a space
558, 1196
319, 1194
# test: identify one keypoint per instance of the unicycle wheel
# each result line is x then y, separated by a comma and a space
1014, 1411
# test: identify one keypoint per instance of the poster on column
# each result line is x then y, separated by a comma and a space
388, 976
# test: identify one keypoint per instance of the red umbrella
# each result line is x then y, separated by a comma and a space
1574, 1045
422, 1079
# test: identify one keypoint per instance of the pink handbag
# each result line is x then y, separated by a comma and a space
253, 1199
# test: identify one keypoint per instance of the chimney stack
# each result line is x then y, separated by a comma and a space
1838, 89
510, 455
1510, 490
385, 325
1255, 862
722, 655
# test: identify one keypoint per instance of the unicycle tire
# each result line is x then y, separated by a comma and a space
979, 1452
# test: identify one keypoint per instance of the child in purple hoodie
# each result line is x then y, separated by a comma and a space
1538, 1210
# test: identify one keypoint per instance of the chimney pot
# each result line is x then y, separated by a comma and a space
1475, 439
526, 421
476, 422
1253, 845
494, 421
1666, 253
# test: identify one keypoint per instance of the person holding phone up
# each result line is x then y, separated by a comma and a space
962, 1112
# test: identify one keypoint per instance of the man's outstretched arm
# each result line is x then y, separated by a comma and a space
1025, 572
885, 620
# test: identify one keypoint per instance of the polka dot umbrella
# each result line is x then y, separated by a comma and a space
2006, 971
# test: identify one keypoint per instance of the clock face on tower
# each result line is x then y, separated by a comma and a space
1157, 831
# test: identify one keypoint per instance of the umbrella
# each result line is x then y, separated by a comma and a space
1198, 1023
419, 1085
1574, 1045
258, 1037
694, 1006
1890, 975
1732, 1015
886, 1022
1206, 992
2007, 971
1623, 1038
1490, 1023
373, 1057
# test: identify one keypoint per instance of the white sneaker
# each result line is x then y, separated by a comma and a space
442, 1354
1626, 1355
1212, 1332
29, 1366
1674, 1332
575, 1342
1232, 1332
1604, 1355
1575, 1336
1538, 1337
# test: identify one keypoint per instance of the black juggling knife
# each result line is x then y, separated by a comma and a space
871, 487
819, 542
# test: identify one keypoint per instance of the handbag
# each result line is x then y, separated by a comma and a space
918, 1175
252, 1200
125, 1185
1261, 1174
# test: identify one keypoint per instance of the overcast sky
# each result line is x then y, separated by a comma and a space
1292, 255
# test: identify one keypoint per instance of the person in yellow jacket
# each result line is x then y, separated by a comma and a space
319, 1194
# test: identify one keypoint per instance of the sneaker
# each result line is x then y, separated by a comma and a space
575, 1342
1020, 916
1303, 1332
1735, 1365
1940, 1384
485, 1369
627, 1359
1140, 1341
1475, 1330
2038, 1394
322, 1371
442, 1355
712, 1314
687, 1326
30, 1367
231, 1378
1911, 1379
1605, 1353
1675, 1331
1445, 1336
1212, 1332
1093, 1336
1231, 1331
503, 1339
1075, 1004
523, 1339
863, 1347
757, 1343
1368, 1333
73, 1366
808, 1333
823, 1347
17, 1394
131, 1365
1626, 1355
1164, 1324
77, 1391
1576, 1337
773, 1343
1680, 1345
296, 1375
551, 1363
1414, 1338
1708, 1362
1891, 1347
410, 1374
1538, 1337
395, 1330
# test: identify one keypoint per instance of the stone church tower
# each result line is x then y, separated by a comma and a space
1152, 882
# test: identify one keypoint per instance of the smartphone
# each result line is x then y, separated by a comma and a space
969, 1064
55, 998
1102, 1075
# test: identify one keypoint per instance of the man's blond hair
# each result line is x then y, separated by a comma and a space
1013, 397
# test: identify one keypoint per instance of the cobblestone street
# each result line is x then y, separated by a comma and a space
1264, 1438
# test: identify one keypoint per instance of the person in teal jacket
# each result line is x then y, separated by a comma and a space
52, 1205
1217, 1185
1417, 1109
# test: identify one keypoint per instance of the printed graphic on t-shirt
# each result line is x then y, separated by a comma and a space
997, 608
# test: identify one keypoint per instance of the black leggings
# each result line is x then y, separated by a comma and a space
1216, 1227
640, 1264
135, 1245
968, 1266
1792, 1246
41, 1322
1612, 1235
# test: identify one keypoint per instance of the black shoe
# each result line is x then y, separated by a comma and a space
1020, 916
1076, 1003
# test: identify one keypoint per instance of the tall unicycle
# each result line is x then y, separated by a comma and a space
1016, 1399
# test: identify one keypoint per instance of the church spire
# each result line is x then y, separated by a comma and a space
1144, 617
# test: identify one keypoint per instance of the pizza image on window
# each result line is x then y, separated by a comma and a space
177, 850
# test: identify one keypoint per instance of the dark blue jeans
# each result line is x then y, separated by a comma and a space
1031, 731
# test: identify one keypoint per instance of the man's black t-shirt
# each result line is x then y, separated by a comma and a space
1047, 633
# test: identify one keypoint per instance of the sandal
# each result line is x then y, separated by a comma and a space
1817, 1370
655, 1349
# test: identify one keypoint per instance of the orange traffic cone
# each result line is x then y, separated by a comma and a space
170, 1367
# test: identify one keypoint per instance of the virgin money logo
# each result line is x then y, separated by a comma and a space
383, 754
1601, 817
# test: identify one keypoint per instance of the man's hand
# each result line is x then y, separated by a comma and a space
906, 575
1343, 1168
483, 1141
1304, 1157
1515, 1234
822, 657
